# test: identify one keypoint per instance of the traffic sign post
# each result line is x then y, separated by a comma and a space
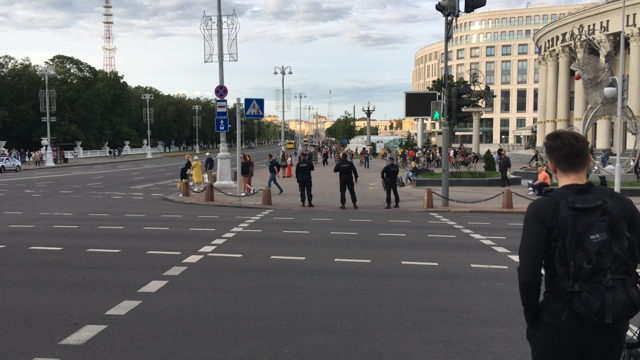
222, 125
254, 108
221, 92
221, 109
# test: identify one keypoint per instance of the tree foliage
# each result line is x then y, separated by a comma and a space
343, 128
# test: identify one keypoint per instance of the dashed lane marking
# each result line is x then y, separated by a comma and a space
45, 359
281, 218
419, 263
218, 242
496, 237
229, 235
3, 246
65, 226
400, 221
244, 225
164, 252
500, 249
225, 255
175, 271
110, 227
466, 231
123, 308
477, 236
353, 260
361, 220
208, 216
392, 234
137, 197
36, 195
66, 192
193, 259
21, 226
13, 212
135, 215
442, 236
98, 214
207, 249
45, 248
245, 230
153, 286
458, 226
343, 233
236, 229
171, 216
295, 232
250, 221
515, 258
287, 258
83, 335
94, 184
198, 229
244, 217
104, 250
489, 266
316, 219
478, 223
44, 182
435, 222
515, 224
155, 228
487, 242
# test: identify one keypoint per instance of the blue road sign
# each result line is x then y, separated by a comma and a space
222, 125
221, 109
344, 141
221, 91
254, 108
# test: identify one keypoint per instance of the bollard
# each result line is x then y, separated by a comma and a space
214, 178
507, 200
428, 199
208, 193
266, 197
185, 189
235, 175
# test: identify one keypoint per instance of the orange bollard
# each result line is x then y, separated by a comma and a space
428, 199
208, 193
186, 192
266, 197
507, 200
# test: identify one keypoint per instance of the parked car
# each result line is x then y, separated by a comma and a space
250, 146
9, 163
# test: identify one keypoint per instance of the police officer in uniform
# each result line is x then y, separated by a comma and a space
347, 170
304, 168
390, 176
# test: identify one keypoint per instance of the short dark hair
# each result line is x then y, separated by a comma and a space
270, 156
344, 156
568, 150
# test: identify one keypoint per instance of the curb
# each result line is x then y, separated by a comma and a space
170, 198
72, 166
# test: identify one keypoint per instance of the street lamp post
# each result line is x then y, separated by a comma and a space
300, 96
368, 111
282, 70
48, 73
197, 125
148, 97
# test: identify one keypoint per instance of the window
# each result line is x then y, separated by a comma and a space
536, 74
490, 23
482, 26
521, 103
553, 17
491, 51
528, 20
504, 123
572, 100
506, 72
527, 34
466, 38
519, 36
488, 37
523, 49
505, 96
449, 72
475, 52
522, 71
474, 66
495, 36
450, 55
510, 35
535, 102
520, 19
490, 73
442, 57
520, 123
536, 20
545, 19
460, 54
460, 71
503, 35
504, 22
561, 16
512, 21
465, 26
506, 50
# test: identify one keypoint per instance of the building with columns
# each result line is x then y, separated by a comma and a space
500, 45
562, 102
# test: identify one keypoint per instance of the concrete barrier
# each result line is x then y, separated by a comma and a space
428, 199
266, 197
208, 193
507, 200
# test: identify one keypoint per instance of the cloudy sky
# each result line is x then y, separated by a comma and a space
359, 49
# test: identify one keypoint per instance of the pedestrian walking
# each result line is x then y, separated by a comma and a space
586, 306
245, 173
303, 174
389, 175
251, 170
366, 159
274, 169
325, 158
208, 168
289, 166
474, 160
347, 172
283, 164
505, 165
196, 167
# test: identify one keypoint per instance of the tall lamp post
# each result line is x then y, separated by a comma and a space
300, 96
196, 123
282, 70
309, 110
48, 73
368, 111
148, 97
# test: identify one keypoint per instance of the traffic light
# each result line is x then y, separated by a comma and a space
471, 5
450, 7
436, 111
458, 102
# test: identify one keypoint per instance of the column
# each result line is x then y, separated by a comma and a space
564, 78
634, 80
603, 135
542, 100
580, 101
475, 146
552, 92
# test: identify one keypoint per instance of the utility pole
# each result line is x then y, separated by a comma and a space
196, 123
148, 97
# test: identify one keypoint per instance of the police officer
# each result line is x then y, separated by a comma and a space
390, 175
304, 168
347, 170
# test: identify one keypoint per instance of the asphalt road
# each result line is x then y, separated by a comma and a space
93, 265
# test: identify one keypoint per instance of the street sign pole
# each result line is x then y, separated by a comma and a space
238, 141
445, 123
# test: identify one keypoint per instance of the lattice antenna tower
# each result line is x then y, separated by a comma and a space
108, 49
330, 112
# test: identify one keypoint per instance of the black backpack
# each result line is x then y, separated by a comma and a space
595, 258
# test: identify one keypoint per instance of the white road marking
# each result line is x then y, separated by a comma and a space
229, 235
477, 236
134, 215
94, 184
3, 246
66, 192
487, 242
157, 194
281, 218
65, 226
419, 263
515, 258
250, 221
104, 250
45, 359
110, 227
287, 258
243, 217
13, 213
135, 173
197, 229
236, 229
175, 271
98, 214
44, 182
140, 178
466, 231
458, 226
193, 259
442, 236
400, 221
257, 217
155, 228
244, 225
295, 232
207, 249
489, 266
450, 222
208, 216
315, 219
172, 216
164, 252
153, 286
45, 248
360, 220
515, 224
21, 226
435, 222
353, 260
135, 197
496, 237
226, 255
218, 242
245, 230
123, 308
343, 233
83, 335
478, 223
36, 195
392, 234
500, 249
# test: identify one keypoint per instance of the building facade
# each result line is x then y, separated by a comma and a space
499, 47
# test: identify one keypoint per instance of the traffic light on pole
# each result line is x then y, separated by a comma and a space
458, 102
449, 7
471, 5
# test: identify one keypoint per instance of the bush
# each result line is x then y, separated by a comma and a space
489, 161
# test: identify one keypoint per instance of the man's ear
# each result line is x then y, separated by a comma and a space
552, 166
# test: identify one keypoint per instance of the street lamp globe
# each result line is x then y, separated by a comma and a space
290, 73
275, 73
610, 91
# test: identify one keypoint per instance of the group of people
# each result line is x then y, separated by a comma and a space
35, 158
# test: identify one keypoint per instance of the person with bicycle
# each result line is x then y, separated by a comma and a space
585, 237
534, 158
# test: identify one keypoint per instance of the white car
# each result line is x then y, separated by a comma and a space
9, 163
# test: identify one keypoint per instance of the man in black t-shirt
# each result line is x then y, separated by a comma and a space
555, 331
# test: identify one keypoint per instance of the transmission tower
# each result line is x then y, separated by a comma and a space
330, 112
109, 60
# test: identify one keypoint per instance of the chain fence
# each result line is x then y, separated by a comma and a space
254, 192
467, 202
522, 196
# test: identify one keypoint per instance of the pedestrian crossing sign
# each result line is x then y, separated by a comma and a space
254, 108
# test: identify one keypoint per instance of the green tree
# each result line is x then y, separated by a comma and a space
343, 128
363, 131
489, 161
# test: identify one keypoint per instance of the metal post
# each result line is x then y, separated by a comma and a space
197, 149
618, 173
445, 122
238, 140
48, 155
148, 97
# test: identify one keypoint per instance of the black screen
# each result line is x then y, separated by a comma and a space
418, 105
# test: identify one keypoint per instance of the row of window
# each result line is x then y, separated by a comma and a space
523, 49
521, 101
496, 23
489, 37
505, 71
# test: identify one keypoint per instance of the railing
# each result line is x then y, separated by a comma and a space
99, 153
